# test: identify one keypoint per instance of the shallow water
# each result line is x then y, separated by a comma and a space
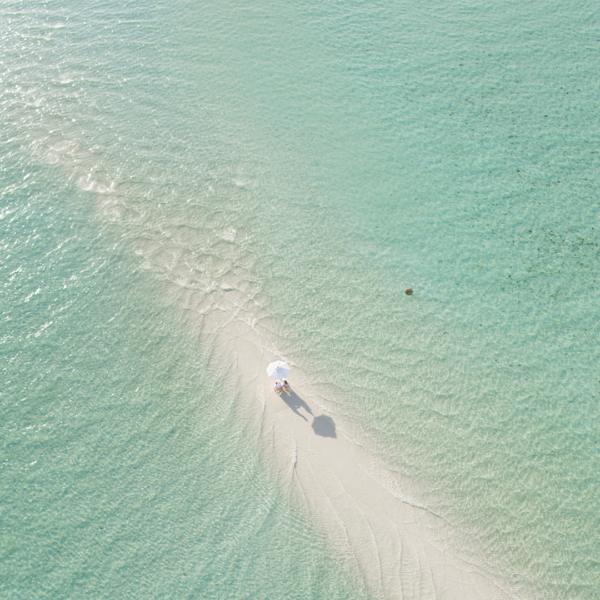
298, 168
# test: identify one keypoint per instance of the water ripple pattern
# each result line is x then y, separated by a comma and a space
172, 169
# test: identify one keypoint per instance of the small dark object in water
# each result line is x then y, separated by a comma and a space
408, 292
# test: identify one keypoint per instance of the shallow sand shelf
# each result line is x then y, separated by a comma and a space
400, 548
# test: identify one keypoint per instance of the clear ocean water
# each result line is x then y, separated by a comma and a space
320, 158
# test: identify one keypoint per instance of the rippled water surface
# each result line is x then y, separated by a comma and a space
298, 166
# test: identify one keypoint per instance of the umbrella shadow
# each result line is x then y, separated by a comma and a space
324, 426
295, 403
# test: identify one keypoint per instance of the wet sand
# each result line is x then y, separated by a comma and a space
401, 549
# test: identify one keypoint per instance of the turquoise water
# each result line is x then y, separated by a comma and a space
320, 159
125, 470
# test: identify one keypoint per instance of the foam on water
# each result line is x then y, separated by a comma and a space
128, 469
295, 172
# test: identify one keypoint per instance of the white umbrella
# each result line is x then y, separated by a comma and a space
278, 369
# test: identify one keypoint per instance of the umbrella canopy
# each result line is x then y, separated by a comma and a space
278, 369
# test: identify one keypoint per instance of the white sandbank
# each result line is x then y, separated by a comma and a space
400, 549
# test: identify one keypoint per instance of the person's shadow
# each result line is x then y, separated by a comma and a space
295, 402
322, 425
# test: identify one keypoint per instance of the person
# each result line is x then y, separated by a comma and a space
286, 385
278, 386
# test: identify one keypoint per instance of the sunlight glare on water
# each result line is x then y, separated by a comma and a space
299, 166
